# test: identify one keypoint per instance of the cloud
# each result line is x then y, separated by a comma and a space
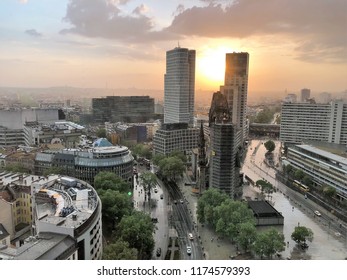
104, 19
33, 32
319, 27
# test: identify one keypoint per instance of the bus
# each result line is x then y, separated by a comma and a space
300, 185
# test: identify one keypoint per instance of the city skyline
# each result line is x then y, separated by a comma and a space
122, 43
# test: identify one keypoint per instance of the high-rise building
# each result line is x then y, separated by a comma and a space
179, 86
305, 94
224, 162
236, 87
314, 122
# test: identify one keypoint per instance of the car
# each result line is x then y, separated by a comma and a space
155, 220
155, 190
189, 250
181, 201
161, 196
159, 252
190, 235
317, 213
175, 201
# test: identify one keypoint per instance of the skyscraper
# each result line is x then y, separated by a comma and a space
225, 138
236, 87
305, 94
179, 86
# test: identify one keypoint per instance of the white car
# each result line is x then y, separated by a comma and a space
190, 236
317, 213
189, 250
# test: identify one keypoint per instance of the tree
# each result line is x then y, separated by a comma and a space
179, 155
247, 235
101, 133
16, 167
141, 150
137, 229
230, 215
299, 174
265, 187
119, 250
301, 234
114, 206
208, 200
149, 180
108, 180
53, 170
329, 191
171, 167
268, 243
157, 158
270, 146
307, 180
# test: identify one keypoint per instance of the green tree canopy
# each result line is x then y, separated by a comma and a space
157, 158
54, 170
268, 243
179, 155
301, 234
141, 150
171, 167
149, 181
119, 250
206, 203
101, 133
307, 180
137, 229
16, 167
229, 216
270, 146
299, 174
329, 191
247, 235
114, 206
109, 180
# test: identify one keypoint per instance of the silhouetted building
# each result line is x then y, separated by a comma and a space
236, 88
225, 138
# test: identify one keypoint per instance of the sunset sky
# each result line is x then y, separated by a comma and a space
292, 44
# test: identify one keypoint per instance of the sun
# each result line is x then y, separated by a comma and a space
210, 66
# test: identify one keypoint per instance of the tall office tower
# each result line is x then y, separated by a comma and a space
305, 94
236, 87
179, 86
224, 138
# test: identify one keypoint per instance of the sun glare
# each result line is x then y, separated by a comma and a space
210, 66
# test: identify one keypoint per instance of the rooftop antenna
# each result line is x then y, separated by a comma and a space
178, 44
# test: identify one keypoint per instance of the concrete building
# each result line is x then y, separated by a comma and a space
12, 123
50, 218
324, 167
290, 98
85, 164
305, 94
63, 132
179, 86
236, 88
315, 122
225, 139
127, 109
175, 137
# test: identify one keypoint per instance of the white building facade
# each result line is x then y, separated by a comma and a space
179, 86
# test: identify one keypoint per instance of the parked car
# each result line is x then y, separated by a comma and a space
190, 235
189, 250
317, 213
